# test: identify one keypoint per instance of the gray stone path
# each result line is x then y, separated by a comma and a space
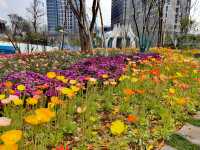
167, 147
189, 132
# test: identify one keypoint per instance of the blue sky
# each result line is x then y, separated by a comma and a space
19, 6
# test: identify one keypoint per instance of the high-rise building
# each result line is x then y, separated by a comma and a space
173, 12
118, 14
57, 17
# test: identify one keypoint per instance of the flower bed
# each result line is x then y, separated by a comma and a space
95, 67
136, 101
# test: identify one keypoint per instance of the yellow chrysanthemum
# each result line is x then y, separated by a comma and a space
18, 102
9, 147
117, 127
21, 87
11, 137
2, 96
60, 78
32, 101
51, 75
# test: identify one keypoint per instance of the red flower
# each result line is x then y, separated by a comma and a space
61, 147
155, 72
132, 118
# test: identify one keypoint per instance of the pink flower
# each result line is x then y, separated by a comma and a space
4, 121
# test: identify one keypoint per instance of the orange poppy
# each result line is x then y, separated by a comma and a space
132, 118
8, 84
128, 92
155, 72
139, 91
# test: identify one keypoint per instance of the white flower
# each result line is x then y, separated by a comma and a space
4, 121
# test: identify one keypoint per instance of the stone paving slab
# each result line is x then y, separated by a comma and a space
197, 116
191, 133
167, 147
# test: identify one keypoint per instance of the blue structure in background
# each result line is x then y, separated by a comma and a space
7, 49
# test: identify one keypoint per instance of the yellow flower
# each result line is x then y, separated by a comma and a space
65, 80
32, 119
92, 80
178, 74
51, 105
149, 147
67, 91
11, 137
9, 147
123, 77
60, 78
134, 79
21, 87
2, 96
32, 101
117, 127
72, 82
51, 75
181, 101
44, 114
75, 88
18, 102
105, 76
172, 91
55, 100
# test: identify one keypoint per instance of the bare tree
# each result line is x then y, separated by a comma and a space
160, 5
36, 13
86, 27
18, 27
145, 21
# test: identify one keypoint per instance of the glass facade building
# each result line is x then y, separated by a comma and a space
118, 13
56, 17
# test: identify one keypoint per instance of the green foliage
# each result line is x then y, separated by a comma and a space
180, 143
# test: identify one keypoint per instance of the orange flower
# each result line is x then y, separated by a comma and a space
132, 118
128, 92
38, 92
10, 91
155, 72
8, 84
139, 91
44, 86
143, 77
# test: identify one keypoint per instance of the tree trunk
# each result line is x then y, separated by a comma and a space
85, 40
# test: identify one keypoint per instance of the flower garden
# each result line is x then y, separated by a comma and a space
105, 100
